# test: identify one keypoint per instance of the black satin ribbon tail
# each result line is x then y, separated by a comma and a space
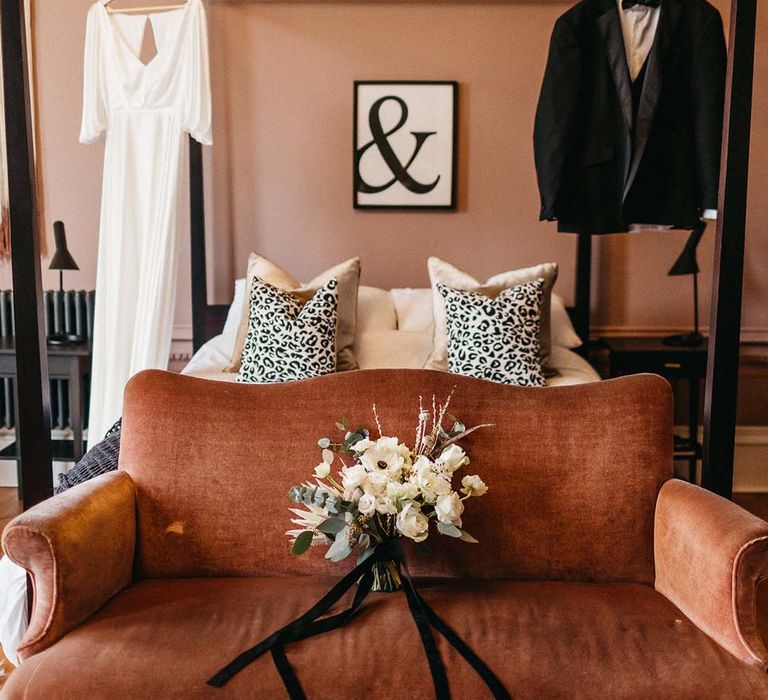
308, 625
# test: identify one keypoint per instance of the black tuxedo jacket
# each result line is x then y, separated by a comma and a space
599, 166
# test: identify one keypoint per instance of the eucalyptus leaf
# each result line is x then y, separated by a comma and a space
366, 554
341, 426
340, 549
324, 443
448, 529
303, 542
466, 537
296, 494
332, 526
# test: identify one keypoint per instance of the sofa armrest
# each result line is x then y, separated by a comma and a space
78, 549
710, 557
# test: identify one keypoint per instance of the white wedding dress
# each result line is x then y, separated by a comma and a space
145, 111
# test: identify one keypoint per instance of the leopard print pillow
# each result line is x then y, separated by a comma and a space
496, 339
288, 340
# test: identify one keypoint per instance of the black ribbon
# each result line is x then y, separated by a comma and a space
308, 625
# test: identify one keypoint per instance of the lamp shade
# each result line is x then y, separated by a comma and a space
62, 258
686, 263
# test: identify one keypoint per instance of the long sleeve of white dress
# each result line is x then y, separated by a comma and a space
94, 121
197, 109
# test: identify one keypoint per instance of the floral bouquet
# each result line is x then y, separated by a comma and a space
369, 494
383, 490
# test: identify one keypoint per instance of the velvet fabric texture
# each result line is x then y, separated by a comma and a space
212, 461
596, 575
710, 557
78, 548
164, 638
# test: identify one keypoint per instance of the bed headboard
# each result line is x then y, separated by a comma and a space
208, 319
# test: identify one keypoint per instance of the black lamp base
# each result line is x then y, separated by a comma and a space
65, 339
685, 340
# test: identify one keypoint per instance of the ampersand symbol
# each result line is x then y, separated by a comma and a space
380, 140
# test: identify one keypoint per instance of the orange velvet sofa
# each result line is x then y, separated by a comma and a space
597, 575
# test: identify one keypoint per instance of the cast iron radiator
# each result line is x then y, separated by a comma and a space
74, 316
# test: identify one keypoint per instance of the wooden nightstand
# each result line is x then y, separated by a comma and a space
636, 355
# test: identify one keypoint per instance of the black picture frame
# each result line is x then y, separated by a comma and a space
454, 144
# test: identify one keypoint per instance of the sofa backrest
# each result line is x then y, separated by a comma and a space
573, 472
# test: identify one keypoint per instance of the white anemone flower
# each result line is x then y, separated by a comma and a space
383, 455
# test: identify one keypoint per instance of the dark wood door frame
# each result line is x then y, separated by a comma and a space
33, 420
725, 320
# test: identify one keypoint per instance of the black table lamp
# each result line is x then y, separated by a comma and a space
62, 260
686, 264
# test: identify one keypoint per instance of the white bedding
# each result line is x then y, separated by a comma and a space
394, 330
380, 349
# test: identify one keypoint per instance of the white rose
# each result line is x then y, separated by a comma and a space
473, 486
362, 445
352, 477
402, 492
439, 485
385, 505
451, 458
412, 523
367, 504
376, 483
449, 508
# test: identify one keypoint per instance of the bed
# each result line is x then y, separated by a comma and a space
394, 331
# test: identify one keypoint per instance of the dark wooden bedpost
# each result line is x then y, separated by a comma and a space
197, 245
725, 320
582, 302
33, 419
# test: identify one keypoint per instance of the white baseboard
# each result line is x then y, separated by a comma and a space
8, 473
751, 461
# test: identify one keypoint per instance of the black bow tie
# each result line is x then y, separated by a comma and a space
627, 4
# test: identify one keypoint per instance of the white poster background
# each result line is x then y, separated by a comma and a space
430, 108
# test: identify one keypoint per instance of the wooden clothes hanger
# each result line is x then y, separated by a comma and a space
141, 10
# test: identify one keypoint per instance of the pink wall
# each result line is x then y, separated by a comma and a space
279, 174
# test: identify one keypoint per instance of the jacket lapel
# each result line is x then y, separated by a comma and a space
671, 11
609, 26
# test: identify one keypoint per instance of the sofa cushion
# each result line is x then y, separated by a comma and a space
573, 472
544, 640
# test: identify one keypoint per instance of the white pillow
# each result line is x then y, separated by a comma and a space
235, 311
393, 349
375, 310
563, 333
414, 309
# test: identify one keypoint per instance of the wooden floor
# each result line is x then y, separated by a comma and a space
9, 506
753, 502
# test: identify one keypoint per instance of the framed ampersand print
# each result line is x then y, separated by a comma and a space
405, 142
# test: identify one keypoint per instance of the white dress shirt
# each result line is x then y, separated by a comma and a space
638, 25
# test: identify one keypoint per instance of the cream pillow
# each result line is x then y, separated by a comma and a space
346, 274
441, 272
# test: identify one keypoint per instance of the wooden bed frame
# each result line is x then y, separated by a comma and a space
33, 419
